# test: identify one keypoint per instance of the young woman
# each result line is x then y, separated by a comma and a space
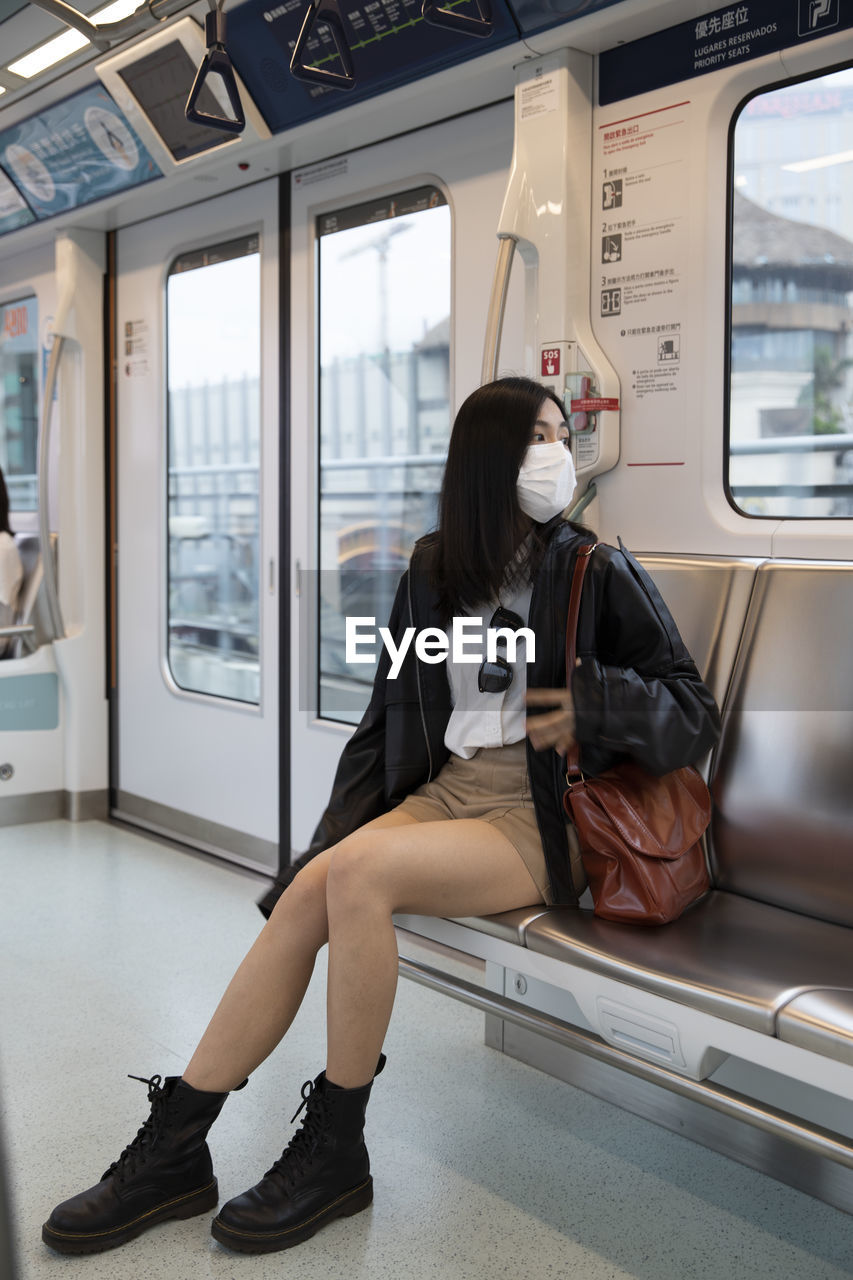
11, 570
447, 802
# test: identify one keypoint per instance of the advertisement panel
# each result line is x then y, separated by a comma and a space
72, 153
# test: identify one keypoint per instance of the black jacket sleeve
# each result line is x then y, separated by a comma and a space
637, 691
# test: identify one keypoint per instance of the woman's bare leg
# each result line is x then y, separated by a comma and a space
267, 990
394, 863
455, 868
265, 993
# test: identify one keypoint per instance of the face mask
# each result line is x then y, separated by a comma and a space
546, 480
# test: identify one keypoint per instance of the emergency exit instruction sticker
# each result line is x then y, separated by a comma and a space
538, 97
641, 247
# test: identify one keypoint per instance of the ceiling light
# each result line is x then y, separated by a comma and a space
114, 12
47, 54
821, 162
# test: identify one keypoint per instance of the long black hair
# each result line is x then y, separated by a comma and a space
4, 505
480, 524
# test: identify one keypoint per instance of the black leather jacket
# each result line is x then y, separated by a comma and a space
637, 694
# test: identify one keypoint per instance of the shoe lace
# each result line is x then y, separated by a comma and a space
135, 1152
299, 1152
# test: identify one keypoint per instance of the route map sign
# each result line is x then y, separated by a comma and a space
389, 41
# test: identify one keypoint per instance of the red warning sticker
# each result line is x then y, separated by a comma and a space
594, 404
550, 361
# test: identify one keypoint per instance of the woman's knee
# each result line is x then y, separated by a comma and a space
352, 876
303, 902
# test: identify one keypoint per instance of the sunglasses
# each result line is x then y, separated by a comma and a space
496, 676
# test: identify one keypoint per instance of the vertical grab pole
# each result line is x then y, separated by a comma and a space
547, 212
57, 626
497, 309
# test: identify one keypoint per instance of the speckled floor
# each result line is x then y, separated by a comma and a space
114, 950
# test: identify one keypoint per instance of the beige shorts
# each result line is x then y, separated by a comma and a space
492, 786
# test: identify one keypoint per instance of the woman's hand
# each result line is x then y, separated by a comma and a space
556, 728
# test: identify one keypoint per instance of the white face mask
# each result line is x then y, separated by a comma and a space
546, 480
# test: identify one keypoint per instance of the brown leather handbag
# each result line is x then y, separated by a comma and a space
639, 834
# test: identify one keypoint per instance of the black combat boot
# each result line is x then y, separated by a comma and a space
324, 1173
165, 1172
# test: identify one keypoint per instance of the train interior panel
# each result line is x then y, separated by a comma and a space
253, 258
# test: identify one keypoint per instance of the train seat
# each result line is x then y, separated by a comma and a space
758, 976
708, 598
778, 922
737, 959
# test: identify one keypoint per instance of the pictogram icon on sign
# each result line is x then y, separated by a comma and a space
611, 194
817, 16
611, 248
611, 302
550, 362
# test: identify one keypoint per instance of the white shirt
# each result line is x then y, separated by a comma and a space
488, 719
11, 576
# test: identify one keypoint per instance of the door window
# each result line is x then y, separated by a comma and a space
213, 378
384, 400
19, 401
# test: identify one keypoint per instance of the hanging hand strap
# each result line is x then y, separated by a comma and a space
482, 25
581, 561
216, 62
330, 13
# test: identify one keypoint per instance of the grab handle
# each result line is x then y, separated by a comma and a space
329, 11
583, 501
51, 588
216, 62
497, 307
25, 632
482, 26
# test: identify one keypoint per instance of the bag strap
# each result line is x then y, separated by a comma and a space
581, 561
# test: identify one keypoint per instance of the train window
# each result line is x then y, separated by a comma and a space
19, 401
384, 373
214, 366
791, 389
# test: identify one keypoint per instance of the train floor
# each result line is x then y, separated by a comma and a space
114, 950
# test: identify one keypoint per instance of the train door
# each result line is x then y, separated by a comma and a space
197, 313
394, 252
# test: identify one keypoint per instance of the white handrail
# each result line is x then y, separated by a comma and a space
71, 18
104, 35
57, 626
497, 308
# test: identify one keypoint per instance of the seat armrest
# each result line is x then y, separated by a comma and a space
820, 1020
